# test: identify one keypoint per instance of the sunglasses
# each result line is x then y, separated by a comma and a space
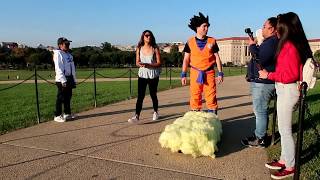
147, 35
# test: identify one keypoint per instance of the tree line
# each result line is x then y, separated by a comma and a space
88, 56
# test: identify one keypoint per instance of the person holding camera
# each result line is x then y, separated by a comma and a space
149, 62
201, 53
65, 79
261, 89
292, 52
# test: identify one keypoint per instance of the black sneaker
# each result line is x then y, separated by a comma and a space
251, 138
256, 142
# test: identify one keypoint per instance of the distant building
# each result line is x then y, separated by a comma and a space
314, 44
40, 46
234, 50
166, 47
22, 46
125, 48
50, 48
9, 45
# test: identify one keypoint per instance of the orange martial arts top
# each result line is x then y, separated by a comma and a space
202, 59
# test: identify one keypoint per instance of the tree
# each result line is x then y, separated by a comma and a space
34, 59
94, 60
174, 49
106, 47
317, 55
4, 56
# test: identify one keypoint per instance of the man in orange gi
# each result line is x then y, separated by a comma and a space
201, 53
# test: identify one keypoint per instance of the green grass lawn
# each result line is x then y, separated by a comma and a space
105, 72
310, 168
18, 105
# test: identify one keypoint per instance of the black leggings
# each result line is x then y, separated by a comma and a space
153, 87
63, 97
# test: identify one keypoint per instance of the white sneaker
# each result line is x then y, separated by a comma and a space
69, 116
155, 116
59, 119
134, 119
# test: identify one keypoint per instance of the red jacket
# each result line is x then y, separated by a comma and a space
288, 66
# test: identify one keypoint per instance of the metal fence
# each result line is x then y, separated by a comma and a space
130, 74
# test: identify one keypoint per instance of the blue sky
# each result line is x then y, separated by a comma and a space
85, 22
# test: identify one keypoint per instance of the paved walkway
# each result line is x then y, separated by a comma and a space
100, 144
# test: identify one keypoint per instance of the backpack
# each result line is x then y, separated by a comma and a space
309, 73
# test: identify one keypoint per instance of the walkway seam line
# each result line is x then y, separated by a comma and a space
112, 160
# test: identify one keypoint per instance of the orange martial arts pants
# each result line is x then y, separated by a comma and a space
208, 87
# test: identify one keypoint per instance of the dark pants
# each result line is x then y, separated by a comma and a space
63, 97
153, 88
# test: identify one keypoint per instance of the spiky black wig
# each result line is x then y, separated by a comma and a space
196, 21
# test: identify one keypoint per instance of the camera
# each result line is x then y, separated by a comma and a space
249, 32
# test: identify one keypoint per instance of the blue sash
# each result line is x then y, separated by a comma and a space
202, 74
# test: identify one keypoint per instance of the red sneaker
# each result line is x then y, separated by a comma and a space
275, 165
282, 174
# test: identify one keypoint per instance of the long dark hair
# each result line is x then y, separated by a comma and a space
152, 39
289, 28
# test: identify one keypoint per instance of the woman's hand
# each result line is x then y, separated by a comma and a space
140, 64
263, 74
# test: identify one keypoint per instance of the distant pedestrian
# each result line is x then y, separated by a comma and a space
149, 62
65, 79
293, 51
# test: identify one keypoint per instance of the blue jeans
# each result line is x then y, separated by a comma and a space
261, 94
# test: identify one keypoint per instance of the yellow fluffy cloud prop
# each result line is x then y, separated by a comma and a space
196, 133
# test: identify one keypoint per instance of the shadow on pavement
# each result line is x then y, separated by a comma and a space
165, 118
161, 106
235, 129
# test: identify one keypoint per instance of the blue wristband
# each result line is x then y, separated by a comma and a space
183, 74
220, 74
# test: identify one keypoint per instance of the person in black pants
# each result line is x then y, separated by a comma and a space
65, 79
149, 63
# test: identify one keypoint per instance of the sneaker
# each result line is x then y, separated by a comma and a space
275, 165
155, 116
254, 142
195, 110
59, 119
134, 119
69, 116
251, 138
282, 174
213, 111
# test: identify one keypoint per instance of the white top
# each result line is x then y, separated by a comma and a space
148, 73
63, 65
